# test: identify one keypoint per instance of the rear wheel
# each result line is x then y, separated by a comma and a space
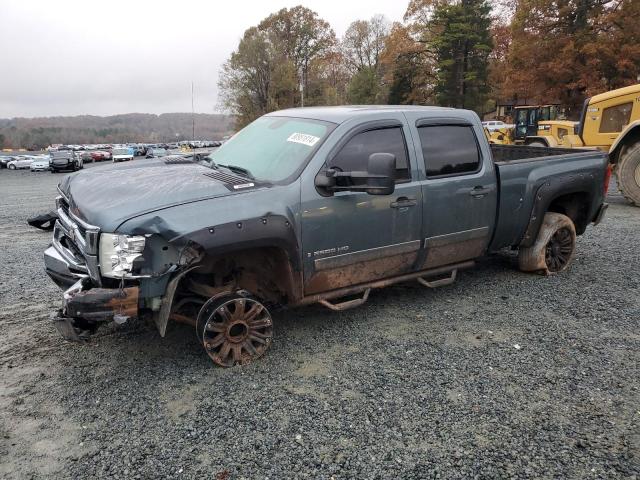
554, 248
234, 329
12, 167
628, 174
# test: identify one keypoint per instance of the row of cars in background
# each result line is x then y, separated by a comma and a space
73, 157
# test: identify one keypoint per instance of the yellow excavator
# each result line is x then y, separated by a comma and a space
610, 121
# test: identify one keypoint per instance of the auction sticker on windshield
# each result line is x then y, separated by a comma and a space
303, 138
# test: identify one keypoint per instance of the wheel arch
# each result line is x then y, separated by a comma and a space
570, 195
629, 136
266, 271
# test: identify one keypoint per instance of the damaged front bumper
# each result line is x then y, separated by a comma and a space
85, 307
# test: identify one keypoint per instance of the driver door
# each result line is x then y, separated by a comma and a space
350, 238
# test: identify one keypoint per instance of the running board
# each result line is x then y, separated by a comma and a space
440, 282
337, 307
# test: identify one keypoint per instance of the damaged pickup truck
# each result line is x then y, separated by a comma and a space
312, 205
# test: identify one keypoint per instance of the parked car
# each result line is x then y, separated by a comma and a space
4, 160
23, 161
156, 152
100, 155
40, 164
493, 125
311, 205
65, 160
122, 154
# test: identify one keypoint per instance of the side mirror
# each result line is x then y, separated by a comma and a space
379, 179
381, 172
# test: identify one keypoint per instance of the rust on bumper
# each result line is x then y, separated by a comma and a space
83, 307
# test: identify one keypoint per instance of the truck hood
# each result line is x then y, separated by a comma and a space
108, 195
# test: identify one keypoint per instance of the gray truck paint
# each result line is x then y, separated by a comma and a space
347, 238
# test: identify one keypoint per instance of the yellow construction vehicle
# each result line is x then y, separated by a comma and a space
527, 119
611, 122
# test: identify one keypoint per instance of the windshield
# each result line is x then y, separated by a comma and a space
272, 148
120, 151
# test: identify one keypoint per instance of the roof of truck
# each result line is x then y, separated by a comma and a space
343, 113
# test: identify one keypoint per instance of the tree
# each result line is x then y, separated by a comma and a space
364, 41
301, 36
457, 34
567, 50
245, 82
409, 68
362, 46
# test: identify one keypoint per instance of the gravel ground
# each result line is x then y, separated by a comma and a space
500, 375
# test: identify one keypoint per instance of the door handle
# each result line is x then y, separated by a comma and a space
403, 202
479, 191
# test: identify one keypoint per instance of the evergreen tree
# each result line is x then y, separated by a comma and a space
461, 40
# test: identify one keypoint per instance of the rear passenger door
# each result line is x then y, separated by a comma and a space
459, 190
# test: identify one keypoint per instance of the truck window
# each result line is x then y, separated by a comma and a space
615, 118
449, 150
354, 155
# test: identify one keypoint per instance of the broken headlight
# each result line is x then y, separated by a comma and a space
118, 252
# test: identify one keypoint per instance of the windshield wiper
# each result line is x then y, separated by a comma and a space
241, 170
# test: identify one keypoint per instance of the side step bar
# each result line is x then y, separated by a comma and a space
363, 288
337, 307
440, 282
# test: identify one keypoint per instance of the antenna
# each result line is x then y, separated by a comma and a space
193, 116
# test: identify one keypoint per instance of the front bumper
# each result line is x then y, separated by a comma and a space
84, 307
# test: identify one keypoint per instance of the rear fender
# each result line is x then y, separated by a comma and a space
552, 189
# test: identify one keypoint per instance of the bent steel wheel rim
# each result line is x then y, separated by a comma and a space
237, 331
559, 250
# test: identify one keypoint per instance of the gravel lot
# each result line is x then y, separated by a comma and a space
500, 375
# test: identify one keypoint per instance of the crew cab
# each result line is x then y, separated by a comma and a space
312, 205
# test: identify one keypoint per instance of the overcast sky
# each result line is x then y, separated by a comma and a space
102, 57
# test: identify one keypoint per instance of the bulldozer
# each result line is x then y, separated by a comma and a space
609, 121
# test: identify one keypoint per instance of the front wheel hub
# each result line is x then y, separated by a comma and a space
234, 331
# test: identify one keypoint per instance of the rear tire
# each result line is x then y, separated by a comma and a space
12, 167
628, 174
554, 248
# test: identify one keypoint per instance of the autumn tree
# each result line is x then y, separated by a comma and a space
567, 50
301, 36
362, 47
274, 61
246, 80
409, 68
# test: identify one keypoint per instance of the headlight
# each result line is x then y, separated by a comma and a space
118, 252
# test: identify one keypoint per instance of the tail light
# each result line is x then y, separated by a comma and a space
607, 179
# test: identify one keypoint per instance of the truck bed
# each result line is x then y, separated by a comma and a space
514, 153
530, 177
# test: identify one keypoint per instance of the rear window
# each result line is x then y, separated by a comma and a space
449, 150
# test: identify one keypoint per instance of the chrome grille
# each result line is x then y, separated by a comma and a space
76, 241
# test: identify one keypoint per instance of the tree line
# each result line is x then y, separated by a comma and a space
456, 53
38, 133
